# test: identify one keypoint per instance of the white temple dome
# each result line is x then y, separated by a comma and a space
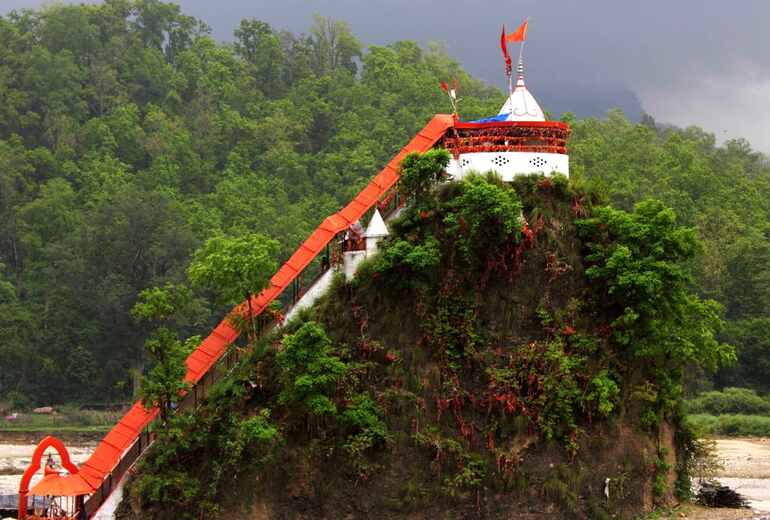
521, 105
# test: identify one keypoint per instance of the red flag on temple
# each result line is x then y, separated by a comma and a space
506, 56
520, 35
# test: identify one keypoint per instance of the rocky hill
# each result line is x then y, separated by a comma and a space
513, 351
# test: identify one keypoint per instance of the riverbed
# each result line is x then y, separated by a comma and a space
747, 469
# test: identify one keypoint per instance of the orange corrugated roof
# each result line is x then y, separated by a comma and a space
213, 345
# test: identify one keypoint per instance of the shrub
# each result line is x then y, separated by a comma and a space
638, 263
731, 425
17, 401
486, 214
364, 418
309, 370
404, 260
420, 173
729, 401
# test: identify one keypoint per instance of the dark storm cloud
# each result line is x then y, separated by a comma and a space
584, 55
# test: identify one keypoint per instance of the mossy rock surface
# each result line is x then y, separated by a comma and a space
471, 369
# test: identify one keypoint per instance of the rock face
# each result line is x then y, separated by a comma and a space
470, 369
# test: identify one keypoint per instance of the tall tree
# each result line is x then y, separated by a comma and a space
334, 46
235, 268
260, 47
162, 386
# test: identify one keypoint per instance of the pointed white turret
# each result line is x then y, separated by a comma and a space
375, 231
521, 105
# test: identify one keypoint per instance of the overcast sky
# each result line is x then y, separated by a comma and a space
703, 62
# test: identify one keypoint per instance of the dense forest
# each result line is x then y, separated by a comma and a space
128, 137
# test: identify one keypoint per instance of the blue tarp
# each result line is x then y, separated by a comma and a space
493, 119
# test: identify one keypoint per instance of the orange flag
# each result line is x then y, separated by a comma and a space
520, 35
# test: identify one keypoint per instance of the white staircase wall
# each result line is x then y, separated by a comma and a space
107, 511
315, 291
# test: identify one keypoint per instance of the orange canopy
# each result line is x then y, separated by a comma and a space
56, 485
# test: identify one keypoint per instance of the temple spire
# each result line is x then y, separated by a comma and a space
520, 66
521, 105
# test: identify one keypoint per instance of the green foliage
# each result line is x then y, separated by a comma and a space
129, 137
486, 214
363, 415
660, 480
722, 191
334, 46
640, 261
365, 420
462, 470
309, 371
420, 174
453, 330
234, 267
604, 392
560, 393
255, 436
731, 425
168, 304
408, 263
470, 475
752, 343
220, 427
257, 429
163, 385
742, 401
696, 457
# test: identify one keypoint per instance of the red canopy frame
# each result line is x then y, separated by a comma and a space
48, 442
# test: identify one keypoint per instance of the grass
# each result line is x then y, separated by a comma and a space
67, 419
731, 412
731, 425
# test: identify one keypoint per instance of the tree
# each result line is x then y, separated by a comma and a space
7, 290
164, 383
420, 173
256, 43
334, 46
309, 370
753, 347
235, 268
639, 263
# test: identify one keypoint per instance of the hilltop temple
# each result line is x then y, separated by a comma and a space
518, 141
